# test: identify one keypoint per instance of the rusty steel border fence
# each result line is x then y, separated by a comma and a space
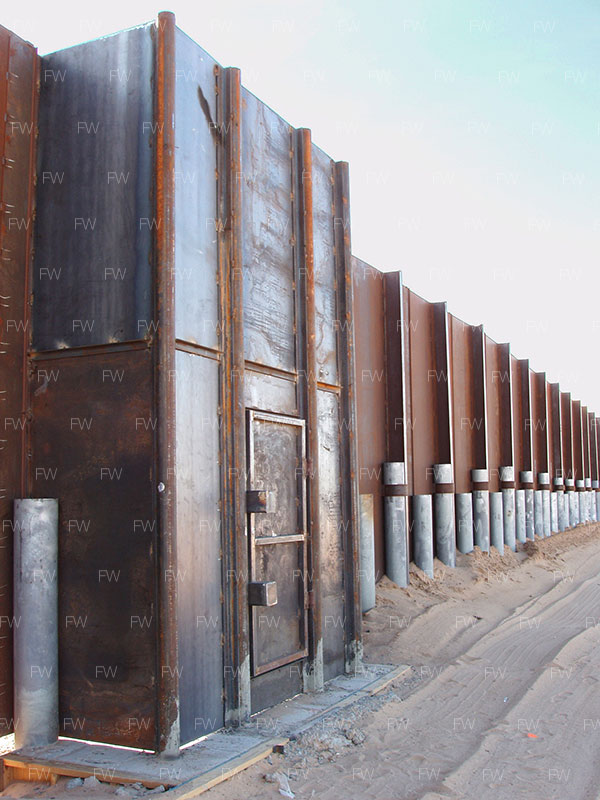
461, 444
422, 435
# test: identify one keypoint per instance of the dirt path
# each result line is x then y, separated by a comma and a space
502, 701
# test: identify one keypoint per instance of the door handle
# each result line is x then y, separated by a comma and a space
262, 593
260, 501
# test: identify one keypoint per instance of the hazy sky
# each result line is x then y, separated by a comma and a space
472, 130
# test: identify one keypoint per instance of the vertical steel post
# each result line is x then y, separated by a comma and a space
507, 484
481, 509
36, 621
561, 514
520, 516
236, 616
313, 675
544, 484
367, 553
422, 519
464, 522
496, 522
444, 514
348, 407
395, 508
164, 249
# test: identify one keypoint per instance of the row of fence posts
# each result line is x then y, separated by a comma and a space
440, 524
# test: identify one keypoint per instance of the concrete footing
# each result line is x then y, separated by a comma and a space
496, 522
422, 519
464, 522
35, 636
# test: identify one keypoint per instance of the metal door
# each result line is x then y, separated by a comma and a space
277, 540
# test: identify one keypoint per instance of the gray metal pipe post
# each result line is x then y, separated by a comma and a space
580, 505
481, 509
36, 622
563, 512
538, 513
507, 482
444, 514
520, 525
464, 522
367, 552
562, 515
422, 522
588, 498
595, 495
395, 521
544, 482
572, 502
496, 524
526, 478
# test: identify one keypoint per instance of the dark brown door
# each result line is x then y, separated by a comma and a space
277, 538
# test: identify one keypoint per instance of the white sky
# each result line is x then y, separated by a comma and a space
472, 129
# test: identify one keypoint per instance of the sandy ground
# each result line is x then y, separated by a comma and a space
502, 699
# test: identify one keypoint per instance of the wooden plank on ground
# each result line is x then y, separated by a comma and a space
197, 786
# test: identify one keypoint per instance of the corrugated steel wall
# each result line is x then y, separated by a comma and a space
455, 396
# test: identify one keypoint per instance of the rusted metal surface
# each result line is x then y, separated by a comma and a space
499, 409
585, 439
202, 234
236, 672
594, 447
19, 65
371, 391
308, 401
429, 390
467, 378
164, 369
95, 220
539, 425
276, 453
566, 427
347, 421
94, 451
577, 438
395, 347
521, 399
198, 223
554, 433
